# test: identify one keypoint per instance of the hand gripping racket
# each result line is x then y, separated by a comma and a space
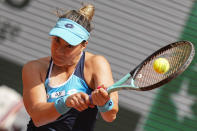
144, 77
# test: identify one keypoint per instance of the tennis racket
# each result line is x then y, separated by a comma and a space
144, 77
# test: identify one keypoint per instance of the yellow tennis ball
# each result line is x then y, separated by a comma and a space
161, 65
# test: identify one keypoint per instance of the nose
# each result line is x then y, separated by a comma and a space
60, 51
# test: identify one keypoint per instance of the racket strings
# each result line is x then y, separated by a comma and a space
176, 56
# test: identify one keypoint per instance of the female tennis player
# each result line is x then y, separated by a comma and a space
57, 88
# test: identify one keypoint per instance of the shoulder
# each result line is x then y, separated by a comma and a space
34, 67
95, 61
36, 64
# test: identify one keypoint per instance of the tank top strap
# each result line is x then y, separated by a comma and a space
48, 70
79, 70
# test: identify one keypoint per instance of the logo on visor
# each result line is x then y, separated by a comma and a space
69, 25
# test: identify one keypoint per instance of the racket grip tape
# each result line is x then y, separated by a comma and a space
99, 87
90, 98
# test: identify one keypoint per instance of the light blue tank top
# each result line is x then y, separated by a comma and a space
74, 84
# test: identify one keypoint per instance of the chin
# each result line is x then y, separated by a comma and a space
63, 63
58, 62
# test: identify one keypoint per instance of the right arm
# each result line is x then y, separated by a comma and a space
34, 96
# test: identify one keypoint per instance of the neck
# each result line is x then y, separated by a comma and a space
68, 67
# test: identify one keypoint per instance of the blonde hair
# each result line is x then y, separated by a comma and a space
83, 16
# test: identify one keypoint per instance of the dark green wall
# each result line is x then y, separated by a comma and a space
10, 75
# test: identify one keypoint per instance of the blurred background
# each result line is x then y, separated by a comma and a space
125, 32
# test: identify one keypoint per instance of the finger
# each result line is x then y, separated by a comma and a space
83, 104
83, 100
95, 97
87, 99
99, 99
76, 102
103, 97
104, 93
71, 103
79, 108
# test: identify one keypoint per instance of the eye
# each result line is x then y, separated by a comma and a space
70, 46
57, 40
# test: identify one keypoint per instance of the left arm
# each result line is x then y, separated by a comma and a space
102, 76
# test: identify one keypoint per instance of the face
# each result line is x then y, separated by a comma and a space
64, 54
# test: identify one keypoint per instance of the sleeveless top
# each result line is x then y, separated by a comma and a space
73, 120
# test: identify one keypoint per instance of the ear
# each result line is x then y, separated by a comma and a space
84, 44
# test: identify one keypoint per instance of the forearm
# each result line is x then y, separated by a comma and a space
43, 113
110, 116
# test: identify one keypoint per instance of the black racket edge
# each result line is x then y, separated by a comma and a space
171, 77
